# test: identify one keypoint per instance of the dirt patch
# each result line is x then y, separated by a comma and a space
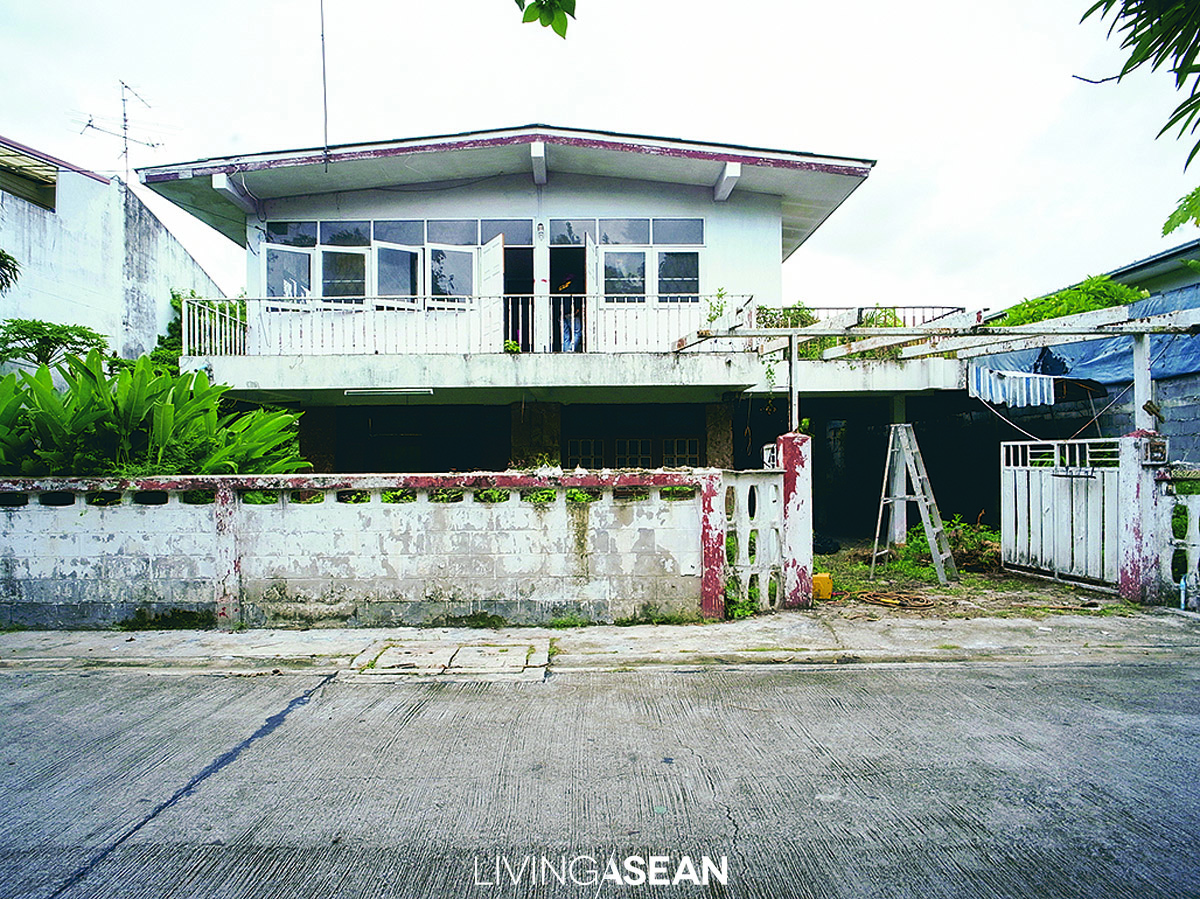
912, 591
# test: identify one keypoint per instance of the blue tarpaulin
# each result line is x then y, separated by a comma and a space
1111, 361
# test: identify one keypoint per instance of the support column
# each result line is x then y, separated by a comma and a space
1143, 387
899, 516
536, 434
795, 458
712, 546
228, 568
318, 438
1144, 538
718, 426
793, 387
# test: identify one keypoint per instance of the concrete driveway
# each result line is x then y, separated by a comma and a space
1039, 777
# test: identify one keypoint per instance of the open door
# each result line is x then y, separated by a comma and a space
592, 288
491, 268
491, 294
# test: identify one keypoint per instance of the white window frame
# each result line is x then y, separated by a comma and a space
451, 301
368, 272
399, 299
266, 248
658, 292
647, 280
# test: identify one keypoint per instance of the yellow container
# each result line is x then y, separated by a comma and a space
822, 585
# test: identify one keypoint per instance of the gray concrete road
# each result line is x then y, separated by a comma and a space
978, 779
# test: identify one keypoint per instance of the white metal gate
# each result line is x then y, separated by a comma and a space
1060, 509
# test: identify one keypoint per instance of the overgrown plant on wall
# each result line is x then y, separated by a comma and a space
801, 316
134, 423
1097, 292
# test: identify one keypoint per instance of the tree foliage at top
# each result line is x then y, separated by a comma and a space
1161, 33
29, 341
550, 13
1097, 292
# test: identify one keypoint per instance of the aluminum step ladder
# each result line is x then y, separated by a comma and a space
903, 451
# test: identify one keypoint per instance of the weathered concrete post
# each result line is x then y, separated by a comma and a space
712, 545
1145, 524
794, 452
227, 580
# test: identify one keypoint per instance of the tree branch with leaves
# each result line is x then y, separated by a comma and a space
549, 13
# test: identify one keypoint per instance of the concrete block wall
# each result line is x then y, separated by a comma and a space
337, 562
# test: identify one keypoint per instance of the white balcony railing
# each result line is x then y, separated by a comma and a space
569, 323
278, 326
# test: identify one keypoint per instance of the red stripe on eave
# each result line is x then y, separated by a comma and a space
46, 157
315, 158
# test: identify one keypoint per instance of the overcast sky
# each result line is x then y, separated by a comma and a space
999, 176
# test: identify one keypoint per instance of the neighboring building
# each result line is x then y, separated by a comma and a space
90, 251
387, 281
1164, 271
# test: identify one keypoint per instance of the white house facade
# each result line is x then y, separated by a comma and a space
473, 300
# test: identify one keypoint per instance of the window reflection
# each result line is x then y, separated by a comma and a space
292, 234
571, 231
625, 277
343, 274
288, 273
399, 272
451, 273
346, 234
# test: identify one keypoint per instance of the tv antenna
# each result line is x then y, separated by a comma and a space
126, 92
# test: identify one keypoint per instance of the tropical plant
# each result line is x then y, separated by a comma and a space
10, 269
136, 422
1161, 33
33, 342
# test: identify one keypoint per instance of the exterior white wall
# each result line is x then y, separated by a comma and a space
99, 259
743, 235
351, 563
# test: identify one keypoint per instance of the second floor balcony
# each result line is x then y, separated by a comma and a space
438, 325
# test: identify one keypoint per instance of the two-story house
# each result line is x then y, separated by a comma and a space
466, 301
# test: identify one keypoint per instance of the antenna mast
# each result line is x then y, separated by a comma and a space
126, 90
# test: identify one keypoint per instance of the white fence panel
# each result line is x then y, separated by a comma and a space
1059, 508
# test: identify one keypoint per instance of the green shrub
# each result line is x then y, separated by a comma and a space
136, 422
402, 495
491, 495
540, 496
582, 494
676, 494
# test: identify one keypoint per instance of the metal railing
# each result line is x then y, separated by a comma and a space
882, 316
571, 323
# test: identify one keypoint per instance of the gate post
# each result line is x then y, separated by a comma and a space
228, 575
1145, 524
794, 454
712, 545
